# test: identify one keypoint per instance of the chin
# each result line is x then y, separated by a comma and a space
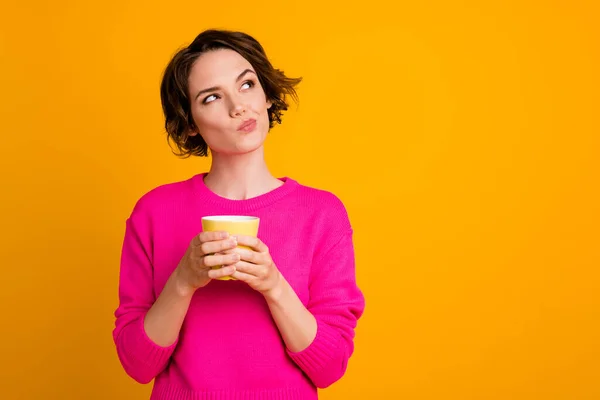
244, 143
250, 149
245, 148
252, 141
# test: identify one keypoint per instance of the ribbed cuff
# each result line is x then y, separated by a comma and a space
318, 355
143, 351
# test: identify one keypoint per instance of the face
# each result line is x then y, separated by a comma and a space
228, 104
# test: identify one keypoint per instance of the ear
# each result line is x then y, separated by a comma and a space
269, 104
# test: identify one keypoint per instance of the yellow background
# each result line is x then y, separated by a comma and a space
463, 136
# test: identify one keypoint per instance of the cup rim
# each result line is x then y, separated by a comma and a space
233, 218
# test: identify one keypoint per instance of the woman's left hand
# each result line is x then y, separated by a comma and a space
256, 267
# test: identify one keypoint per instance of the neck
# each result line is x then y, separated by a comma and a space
240, 177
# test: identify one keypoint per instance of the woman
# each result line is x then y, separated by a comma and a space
285, 325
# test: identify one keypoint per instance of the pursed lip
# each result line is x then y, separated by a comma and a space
246, 124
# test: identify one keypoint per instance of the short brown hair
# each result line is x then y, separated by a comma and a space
174, 86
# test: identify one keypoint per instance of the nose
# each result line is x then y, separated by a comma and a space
238, 108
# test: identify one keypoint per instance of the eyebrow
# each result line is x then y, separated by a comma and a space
215, 88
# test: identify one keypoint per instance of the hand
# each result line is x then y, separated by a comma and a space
205, 251
256, 267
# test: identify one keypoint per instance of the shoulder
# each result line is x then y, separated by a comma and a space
327, 198
326, 205
163, 196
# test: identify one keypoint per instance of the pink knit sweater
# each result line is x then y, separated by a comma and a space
229, 346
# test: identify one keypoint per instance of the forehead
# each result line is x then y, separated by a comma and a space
216, 68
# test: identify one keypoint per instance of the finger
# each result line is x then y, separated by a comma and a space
242, 276
208, 236
221, 272
216, 260
218, 246
250, 256
248, 268
252, 242
225, 252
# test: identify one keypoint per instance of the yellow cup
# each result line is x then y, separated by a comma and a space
234, 224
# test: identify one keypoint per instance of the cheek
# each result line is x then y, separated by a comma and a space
259, 101
209, 117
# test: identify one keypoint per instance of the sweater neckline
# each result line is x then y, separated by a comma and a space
238, 206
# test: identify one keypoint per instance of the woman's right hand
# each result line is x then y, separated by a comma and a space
206, 250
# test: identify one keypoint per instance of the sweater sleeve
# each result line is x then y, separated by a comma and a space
336, 303
141, 358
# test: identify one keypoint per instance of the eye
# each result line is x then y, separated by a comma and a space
210, 99
249, 84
